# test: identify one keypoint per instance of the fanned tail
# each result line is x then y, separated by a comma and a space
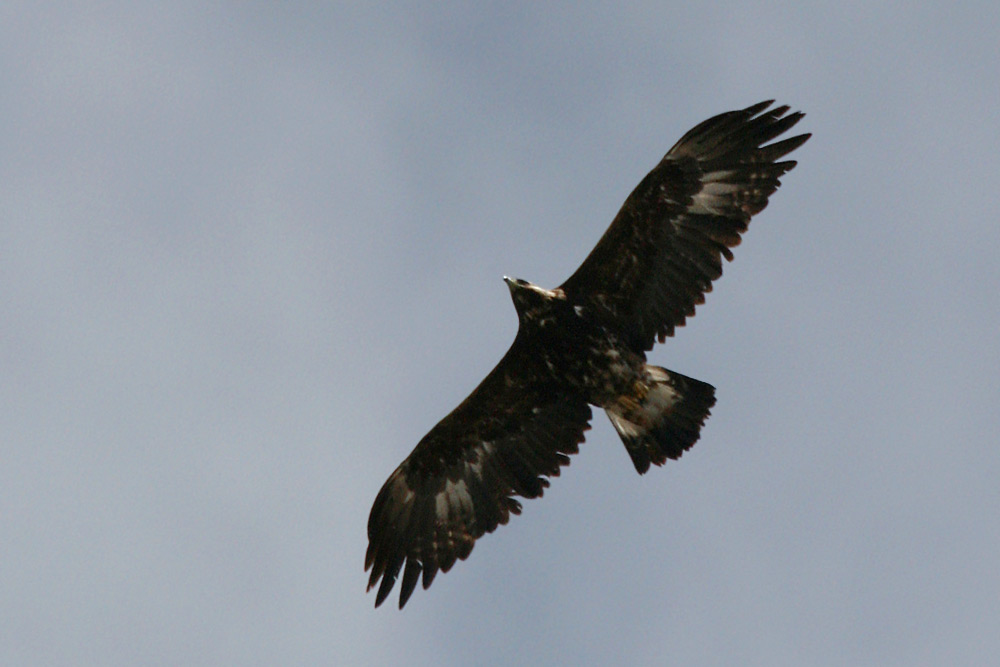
662, 417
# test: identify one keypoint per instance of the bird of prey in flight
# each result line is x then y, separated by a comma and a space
584, 344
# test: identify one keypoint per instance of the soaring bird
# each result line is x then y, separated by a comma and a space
584, 344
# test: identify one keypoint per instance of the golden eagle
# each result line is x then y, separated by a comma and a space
581, 344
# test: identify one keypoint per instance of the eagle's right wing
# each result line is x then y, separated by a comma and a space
665, 247
459, 481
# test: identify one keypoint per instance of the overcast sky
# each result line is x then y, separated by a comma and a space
251, 252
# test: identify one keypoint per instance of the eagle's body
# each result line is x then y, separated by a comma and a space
576, 345
584, 344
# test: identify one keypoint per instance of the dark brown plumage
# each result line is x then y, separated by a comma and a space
584, 344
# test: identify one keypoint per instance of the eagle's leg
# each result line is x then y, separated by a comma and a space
661, 416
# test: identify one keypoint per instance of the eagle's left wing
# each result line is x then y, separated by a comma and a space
458, 482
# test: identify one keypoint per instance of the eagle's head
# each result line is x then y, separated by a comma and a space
531, 301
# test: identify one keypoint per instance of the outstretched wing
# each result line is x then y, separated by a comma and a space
665, 247
458, 482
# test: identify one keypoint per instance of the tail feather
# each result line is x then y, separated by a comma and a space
663, 416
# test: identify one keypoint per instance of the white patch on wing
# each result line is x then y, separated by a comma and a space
716, 195
476, 466
455, 499
454, 503
441, 505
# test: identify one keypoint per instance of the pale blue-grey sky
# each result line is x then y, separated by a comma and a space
250, 253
